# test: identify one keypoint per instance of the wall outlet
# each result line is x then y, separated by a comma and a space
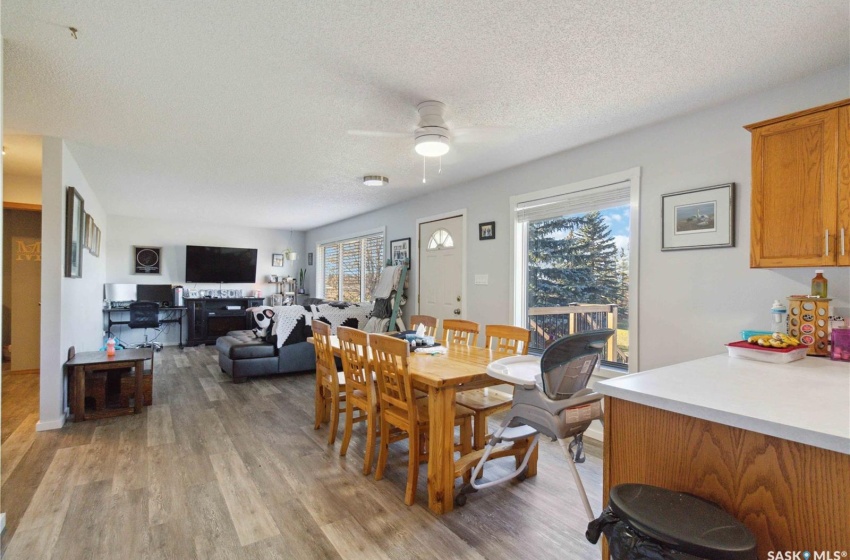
482, 279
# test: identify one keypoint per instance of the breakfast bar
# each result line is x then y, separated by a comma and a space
770, 443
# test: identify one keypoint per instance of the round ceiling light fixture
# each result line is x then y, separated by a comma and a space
375, 180
432, 141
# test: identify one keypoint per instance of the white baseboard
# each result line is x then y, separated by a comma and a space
2, 522
44, 425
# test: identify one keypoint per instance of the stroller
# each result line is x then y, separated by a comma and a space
550, 398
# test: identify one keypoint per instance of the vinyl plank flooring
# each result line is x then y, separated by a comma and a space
166, 493
216, 373
131, 464
352, 541
20, 400
17, 444
210, 520
88, 514
212, 389
250, 516
160, 428
247, 477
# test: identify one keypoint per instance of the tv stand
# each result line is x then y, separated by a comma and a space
210, 318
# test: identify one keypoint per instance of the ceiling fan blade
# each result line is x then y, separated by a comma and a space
483, 133
379, 133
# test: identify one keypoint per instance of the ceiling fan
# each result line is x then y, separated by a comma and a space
432, 136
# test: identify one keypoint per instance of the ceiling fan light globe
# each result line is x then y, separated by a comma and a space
432, 145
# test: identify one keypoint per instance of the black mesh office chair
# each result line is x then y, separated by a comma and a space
145, 315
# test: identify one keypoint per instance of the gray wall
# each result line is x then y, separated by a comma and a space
690, 302
71, 312
126, 232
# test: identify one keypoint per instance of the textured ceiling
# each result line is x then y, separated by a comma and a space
237, 111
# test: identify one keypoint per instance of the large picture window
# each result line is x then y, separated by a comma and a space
574, 254
350, 268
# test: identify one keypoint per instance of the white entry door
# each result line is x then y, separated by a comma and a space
441, 268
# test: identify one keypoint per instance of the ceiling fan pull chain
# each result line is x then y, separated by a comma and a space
439, 171
423, 169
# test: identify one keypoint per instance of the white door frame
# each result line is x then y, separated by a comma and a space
434, 218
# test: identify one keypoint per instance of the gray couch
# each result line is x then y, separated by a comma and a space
242, 355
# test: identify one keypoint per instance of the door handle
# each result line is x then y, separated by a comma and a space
457, 311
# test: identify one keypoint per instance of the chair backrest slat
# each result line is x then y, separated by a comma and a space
508, 338
389, 356
460, 331
429, 322
354, 348
325, 364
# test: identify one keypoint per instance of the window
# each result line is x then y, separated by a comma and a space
440, 239
573, 247
350, 268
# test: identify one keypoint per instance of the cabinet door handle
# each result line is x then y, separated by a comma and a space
826, 243
842, 242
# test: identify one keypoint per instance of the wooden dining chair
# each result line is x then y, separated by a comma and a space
429, 322
460, 331
359, 390
488, 401
400, 409
330, 383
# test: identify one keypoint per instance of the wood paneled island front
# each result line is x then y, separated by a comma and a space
770, 443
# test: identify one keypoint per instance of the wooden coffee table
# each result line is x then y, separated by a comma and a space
86, 362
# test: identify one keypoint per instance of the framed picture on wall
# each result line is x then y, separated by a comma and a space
486, 231
400, 251
309, 259
147, 260
75, 226
701, 218
95, 248
277, 259
89, 235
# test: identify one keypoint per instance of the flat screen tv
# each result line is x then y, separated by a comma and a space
220, 264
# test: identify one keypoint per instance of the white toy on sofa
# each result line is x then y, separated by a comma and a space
263, 316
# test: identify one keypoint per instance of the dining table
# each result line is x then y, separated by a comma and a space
442, 375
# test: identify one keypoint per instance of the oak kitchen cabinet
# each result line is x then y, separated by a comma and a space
801, 189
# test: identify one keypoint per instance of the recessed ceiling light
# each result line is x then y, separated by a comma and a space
375, 180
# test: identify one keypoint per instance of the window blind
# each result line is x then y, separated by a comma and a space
351, 260
331, 271
579, 202
373, 263
351, 267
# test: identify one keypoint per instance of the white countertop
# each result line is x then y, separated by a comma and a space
806, 401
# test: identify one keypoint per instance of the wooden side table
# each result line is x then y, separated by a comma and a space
86, 362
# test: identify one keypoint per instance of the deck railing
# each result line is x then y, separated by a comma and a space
548, 324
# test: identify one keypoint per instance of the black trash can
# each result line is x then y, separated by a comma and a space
651, 523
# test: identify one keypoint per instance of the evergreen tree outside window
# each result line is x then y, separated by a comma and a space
573, 250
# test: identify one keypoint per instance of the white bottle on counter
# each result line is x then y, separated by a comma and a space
779, 311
